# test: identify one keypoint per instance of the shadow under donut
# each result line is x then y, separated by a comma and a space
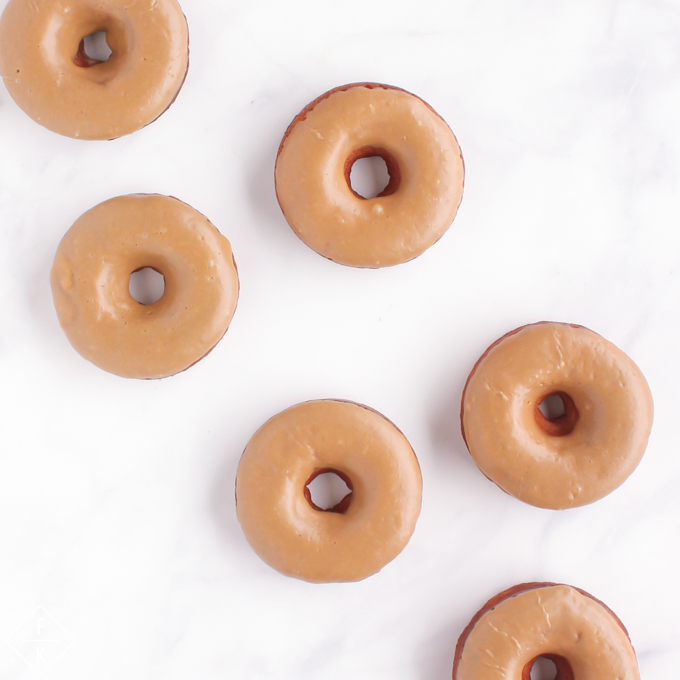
437, 652
223, 508
446, 432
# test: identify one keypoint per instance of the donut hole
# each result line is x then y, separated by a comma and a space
552, 407
372, 173
93, 49
543, 669
329, 491
369, 177
147, 285
548, 667
556, 414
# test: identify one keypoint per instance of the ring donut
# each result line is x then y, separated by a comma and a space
48, 74
578, 457
362, 533
91, 277
579, 634
357, 121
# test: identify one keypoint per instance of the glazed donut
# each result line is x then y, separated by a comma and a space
358, 121
48, 74
362, 533
91, 277
572, 460
579, 634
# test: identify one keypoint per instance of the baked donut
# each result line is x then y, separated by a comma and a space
48, 74
579, 634
572, 460
91, 277
362, 533
359, 121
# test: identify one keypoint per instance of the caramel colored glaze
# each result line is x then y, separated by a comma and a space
580, 634
355, 121
366, 530
48, 74
610, 415
91, 277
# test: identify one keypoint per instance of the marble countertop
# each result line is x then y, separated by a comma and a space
119, 531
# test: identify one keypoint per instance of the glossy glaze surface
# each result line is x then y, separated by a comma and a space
47, 75
91, 276
313, 545
550, 620
503, 431
367, 120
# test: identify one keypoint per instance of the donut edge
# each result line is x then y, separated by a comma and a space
238, 282
170, 103
518, 590
179, 89
371, 86
555, 323
105, 138
341, 401
233, 259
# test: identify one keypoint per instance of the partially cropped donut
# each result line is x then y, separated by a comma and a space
362, 533
579, 634
49, 75
357, 121
578, 457
91, 278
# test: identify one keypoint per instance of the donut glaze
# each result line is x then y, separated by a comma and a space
361, 534
358, 121
91, 277
577, 458
48, 74
582, 636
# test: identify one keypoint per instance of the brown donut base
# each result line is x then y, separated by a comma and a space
564, 671
365, 152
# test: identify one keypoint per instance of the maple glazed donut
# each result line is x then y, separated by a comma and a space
49, 75
579, 634
578, 457
364, 120
362, 533
91, 277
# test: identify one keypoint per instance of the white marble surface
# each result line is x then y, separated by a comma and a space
116, 496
